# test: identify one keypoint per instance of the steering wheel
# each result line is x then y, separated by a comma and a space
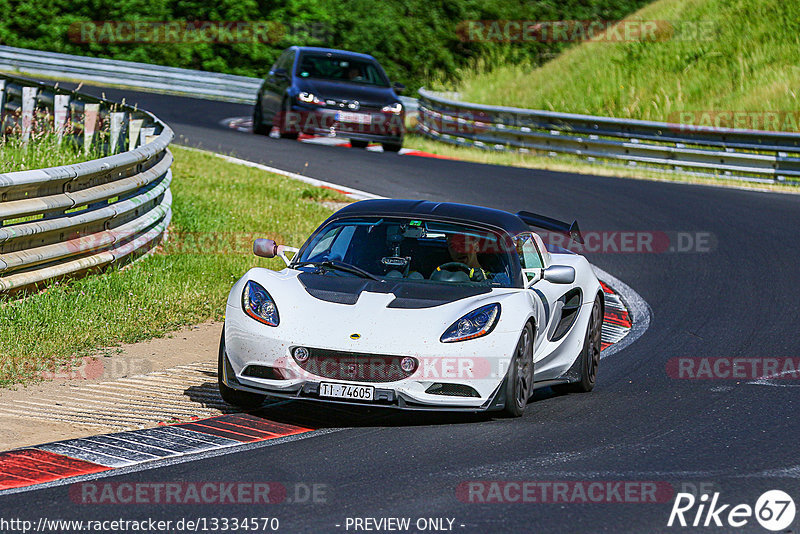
453, 265
475, 274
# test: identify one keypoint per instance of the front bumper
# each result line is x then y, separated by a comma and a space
384, 397
382, 127
480, 364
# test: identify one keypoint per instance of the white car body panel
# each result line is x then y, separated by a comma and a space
480, 363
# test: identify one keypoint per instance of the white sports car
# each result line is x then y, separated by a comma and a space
415, 305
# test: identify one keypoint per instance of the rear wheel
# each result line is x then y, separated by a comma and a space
392, 147
519, 381
286, 128
240, 399
590, 355
356, 143
259, 128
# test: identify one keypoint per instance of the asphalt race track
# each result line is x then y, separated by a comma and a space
738, 299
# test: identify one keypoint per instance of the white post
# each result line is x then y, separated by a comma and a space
2, 103
134, 127
117, 127
60, 115
146, 134
28, 108
90, 114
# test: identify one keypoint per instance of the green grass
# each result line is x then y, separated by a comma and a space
218, 208
43, 150
746, 58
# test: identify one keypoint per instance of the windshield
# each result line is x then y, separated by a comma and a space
409, 249
344, 69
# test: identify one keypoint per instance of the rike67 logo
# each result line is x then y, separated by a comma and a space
774, 510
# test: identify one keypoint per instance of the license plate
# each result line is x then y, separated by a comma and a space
357, 118
345, 391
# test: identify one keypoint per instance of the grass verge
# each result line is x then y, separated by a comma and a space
722, 55
218, 208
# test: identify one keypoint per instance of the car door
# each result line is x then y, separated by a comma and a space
561, 305
278, 79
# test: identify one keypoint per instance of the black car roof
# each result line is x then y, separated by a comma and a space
450, 211
336, 51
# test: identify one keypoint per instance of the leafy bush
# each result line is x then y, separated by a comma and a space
415, 40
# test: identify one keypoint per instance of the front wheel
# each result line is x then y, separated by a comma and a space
392, 147
519, 381
356, 143
240, 399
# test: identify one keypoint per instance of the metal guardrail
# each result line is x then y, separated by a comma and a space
157, 78
721, 152
66, 220
170, 80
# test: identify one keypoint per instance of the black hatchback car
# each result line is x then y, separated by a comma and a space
335, 93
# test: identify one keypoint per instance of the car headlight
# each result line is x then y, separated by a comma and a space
476, 323
310, 98
257, 303
395, 108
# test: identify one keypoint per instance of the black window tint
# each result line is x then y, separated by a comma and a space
341, 68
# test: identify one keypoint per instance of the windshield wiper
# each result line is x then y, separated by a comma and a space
338, 266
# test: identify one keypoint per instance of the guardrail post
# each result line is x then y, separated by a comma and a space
134, 127
60, 115
2, 104
28, 108
90, 114
117, 130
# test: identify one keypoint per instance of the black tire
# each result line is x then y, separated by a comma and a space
284, 118
356, 143
240, 399
392, 147
519, 381
590, 354
259, 128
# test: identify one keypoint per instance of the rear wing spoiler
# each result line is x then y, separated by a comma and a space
546, 223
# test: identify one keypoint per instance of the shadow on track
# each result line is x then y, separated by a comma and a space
316, 415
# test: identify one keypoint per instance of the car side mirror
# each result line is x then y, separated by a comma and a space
265, 248
398, 87
560, 274
281, 73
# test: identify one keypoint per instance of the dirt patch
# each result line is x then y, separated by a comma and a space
131, 386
